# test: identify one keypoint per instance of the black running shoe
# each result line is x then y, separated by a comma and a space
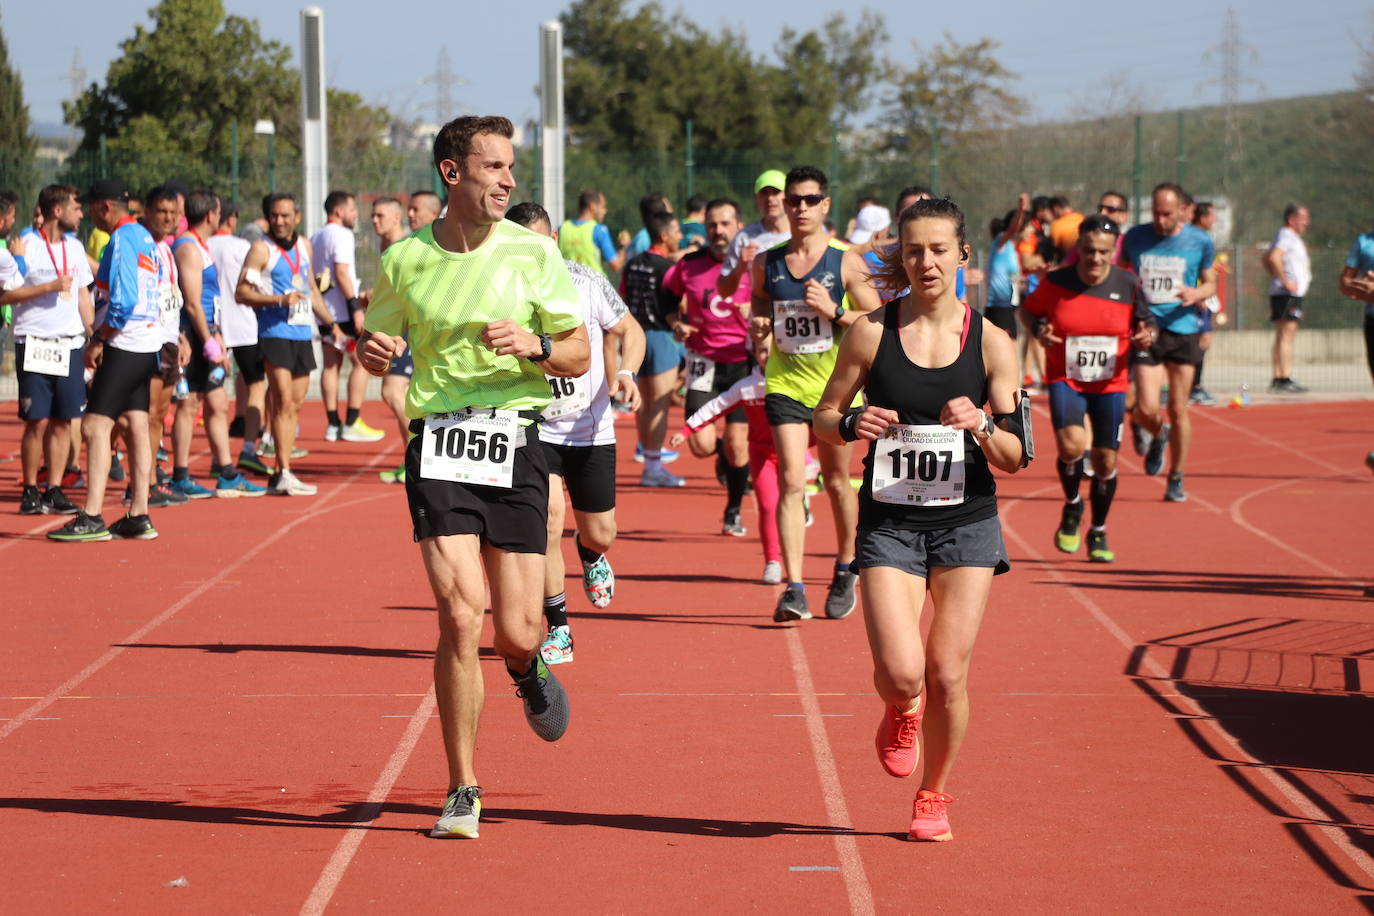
839, 601
1140, 439
134, 528
172, 495
30, 502
791, 606
1154, 457
116, 469
546, 702
55, 502
82, 528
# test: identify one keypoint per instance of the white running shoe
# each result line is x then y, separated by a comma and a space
331, 432
772, 573
287, 484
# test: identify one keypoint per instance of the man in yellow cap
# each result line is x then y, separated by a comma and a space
771, 229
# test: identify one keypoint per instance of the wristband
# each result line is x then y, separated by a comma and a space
633, 376
352, 303
847, 431
211, 350
329, 328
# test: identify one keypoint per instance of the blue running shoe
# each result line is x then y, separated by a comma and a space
236, 487
190, 489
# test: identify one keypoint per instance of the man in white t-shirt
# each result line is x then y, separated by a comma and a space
335, 251
771, 229
1290, 274
52, 316
578, 437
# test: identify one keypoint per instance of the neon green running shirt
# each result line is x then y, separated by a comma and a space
444, 300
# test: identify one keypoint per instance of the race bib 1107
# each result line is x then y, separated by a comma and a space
919, 466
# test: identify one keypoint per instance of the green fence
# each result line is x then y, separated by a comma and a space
1251, 163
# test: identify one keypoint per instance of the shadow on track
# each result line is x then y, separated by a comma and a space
1297, 697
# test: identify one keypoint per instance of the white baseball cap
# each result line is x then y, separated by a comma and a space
871, 219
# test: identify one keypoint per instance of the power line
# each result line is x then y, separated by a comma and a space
1230, 50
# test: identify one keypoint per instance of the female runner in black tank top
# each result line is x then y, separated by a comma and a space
928, 518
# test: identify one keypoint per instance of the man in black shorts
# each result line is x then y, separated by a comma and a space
476, 478
135, 277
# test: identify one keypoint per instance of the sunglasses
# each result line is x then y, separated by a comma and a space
1108, 208
811, 200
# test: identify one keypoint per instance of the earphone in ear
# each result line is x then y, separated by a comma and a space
452, 174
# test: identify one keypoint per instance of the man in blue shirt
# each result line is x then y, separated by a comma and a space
1357, 282
1174, 263
586, 239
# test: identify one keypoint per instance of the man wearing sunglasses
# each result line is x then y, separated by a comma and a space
805, 293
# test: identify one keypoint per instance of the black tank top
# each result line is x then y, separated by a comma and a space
918, 394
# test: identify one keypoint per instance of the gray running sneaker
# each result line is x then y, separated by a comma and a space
546, 702
791, 606
1174, 491
839, 602
462, 808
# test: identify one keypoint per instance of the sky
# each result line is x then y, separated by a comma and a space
1157, 50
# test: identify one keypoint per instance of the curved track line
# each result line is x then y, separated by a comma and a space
1274, 443
1239, 519
114, 652
832, 792
353, 837
1299, 802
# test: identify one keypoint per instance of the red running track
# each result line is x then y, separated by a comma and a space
244, 704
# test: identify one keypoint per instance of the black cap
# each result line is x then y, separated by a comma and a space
106, 189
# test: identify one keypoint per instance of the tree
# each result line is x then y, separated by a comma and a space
634, 78
961, 88
17, 144
170, 101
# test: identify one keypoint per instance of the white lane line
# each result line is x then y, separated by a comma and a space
353, 837
1299, 802
115, 651
836, 811
1238, 517
1346, 471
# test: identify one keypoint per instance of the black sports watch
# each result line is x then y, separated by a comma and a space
839, 312
545, 349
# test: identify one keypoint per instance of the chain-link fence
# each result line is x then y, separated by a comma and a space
1248, 165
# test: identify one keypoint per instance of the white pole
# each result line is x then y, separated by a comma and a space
551, 116
314, 120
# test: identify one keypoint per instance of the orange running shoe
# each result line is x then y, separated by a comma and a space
899, 747
930, 818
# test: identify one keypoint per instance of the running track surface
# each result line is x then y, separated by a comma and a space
244, 704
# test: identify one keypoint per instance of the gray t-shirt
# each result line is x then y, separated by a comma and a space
754, 234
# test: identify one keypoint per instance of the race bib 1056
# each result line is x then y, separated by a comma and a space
471, 446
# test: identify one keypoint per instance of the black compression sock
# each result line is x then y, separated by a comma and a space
1070, 476
1102, 492
1197, 376
332, 417
587, 556
181, 473
350, 416
736, 482
556, 610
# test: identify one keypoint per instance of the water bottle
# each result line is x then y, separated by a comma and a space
181, 391
1243, 398
217, 375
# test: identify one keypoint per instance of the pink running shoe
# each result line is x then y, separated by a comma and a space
930, 817
899, 747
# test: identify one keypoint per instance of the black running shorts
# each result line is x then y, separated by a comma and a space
296, 356
588, 471
121, 382
782, 410
249, 360
1180, 349
513, 519
726, 374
